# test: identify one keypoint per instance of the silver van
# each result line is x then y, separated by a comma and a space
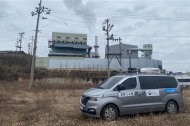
134, 93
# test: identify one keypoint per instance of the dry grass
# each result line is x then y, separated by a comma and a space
49, 105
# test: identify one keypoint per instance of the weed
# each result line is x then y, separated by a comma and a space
56, 104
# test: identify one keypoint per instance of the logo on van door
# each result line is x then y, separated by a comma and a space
149, 93
152, 93
124, 94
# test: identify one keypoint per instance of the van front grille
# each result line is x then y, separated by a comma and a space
84, 100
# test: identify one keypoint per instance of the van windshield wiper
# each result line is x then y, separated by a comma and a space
100, 87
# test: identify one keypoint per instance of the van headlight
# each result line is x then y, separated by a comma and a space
96, 98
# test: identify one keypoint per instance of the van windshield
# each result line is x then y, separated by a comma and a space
109, 83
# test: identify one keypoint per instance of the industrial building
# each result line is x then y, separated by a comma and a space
11, 52
72, 51
68, 45
115, 49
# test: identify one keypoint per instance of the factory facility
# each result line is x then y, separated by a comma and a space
68, 50
68, 45
115, 49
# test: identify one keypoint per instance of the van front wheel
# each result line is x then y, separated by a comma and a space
109, 113
172, 107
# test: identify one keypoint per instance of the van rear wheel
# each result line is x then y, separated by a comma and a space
109, 113
171, 107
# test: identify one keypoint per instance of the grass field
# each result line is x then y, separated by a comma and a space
58, 105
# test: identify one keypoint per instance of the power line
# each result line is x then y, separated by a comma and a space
13, 34
152, 36
129, 35
14, 18
15, 13
72, 20
69, 24
13, 4
63, 23
146, 3
129, 16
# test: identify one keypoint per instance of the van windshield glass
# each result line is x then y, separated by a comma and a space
107, 84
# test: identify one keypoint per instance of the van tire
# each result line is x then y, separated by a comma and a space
109, 113
171, 107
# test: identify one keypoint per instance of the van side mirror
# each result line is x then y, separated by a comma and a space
120, 87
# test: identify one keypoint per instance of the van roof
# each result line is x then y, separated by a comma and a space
143, 74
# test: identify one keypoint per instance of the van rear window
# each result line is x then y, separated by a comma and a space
167, 82
149, 82
155, 82
183, 80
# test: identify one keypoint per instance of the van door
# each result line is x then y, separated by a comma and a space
151, 94
129, 99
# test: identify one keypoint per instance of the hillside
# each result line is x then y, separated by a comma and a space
14, 66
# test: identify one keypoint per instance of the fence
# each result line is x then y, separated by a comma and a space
96, 63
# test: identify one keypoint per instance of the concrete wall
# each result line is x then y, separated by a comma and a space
42, 62
95, 63
70, 80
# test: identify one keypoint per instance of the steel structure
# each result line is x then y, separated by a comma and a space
68, 44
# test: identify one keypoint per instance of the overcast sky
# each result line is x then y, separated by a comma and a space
163, 23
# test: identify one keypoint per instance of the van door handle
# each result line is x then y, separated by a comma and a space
143, 92
136, 93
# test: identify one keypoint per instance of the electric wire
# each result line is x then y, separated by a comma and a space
70, 24
13, 40
74, 21
151, 36
126, 35
14, 4
14, 34
144, 17
63, 23
14, 18
147, 3
16, 13
131, 16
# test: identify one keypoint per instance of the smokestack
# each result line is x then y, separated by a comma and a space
96, 46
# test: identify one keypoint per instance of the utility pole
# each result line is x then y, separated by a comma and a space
31, 51
108, 38
129, 53
120, 67
108, 50
16, 46
29, 48
120, 53
21, 36
38, 11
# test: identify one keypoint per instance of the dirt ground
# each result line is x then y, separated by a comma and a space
58, 105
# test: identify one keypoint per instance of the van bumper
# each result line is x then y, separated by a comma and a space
92, 108
181, 104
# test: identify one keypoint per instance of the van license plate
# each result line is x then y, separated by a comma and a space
81, 107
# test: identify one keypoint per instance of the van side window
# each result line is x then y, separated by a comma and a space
183, 80
167, 82
130, 83
149, 82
